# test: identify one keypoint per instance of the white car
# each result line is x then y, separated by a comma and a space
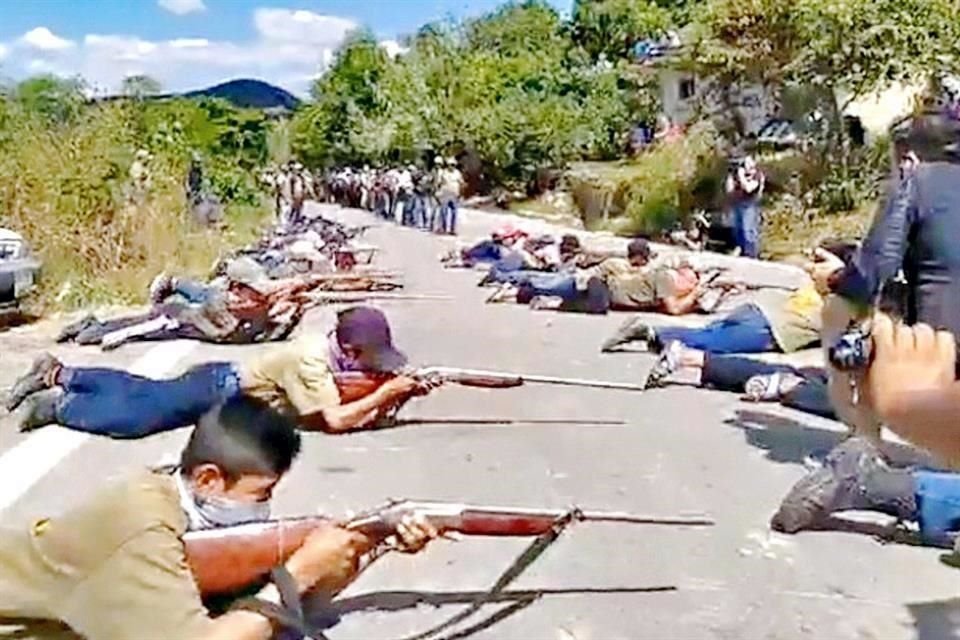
19, 271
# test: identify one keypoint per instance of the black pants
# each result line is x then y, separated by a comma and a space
730, 373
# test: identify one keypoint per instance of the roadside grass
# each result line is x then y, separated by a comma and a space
67, 189
788, 232
113, 264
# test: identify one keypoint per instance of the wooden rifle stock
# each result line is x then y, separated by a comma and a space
354, 385
231, 559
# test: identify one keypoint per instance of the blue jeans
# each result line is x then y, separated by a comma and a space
484, 251
730, 373
938, 505
419, 213
745, 330
114, 403
448, 216
504, 271
558, 285
746, 227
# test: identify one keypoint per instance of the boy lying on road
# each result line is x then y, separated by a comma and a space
298, 378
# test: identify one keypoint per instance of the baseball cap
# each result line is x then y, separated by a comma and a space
367, 330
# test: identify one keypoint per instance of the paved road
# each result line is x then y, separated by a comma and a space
680, 451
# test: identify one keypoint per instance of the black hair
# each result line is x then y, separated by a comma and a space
843, 249
639, 247
243, 436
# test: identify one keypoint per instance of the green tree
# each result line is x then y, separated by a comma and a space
55, 100
511, 86
612, 27
842, 49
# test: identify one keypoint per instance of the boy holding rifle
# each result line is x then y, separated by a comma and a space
116, 567
299, 378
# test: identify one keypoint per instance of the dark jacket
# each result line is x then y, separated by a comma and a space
919, 230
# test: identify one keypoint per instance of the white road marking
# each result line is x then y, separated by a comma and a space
24, 465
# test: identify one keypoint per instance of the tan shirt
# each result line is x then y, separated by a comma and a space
794, 317
296, 375
636, 287
114, 568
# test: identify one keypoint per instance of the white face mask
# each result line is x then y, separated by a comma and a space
209, 512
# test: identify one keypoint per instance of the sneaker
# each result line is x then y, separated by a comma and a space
838, 486
40, 410
667, 364
39, 377
634, 329
770, 387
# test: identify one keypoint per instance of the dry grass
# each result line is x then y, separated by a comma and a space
66, 189
788, 230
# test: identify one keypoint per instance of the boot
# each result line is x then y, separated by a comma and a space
72, 330
41, 410
855, 475
632, 330
39, 377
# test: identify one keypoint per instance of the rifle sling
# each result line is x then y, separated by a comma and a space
516, 568
289, 614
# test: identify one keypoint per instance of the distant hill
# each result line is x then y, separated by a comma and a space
249, 94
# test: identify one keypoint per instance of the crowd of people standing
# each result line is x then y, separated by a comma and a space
425, 198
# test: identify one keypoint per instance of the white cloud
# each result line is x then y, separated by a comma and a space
182, 7
3, 52
290, 48
43, 39
39, 65
288, 25
393, 48
189, 43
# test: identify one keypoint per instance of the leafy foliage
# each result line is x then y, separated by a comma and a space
612, 27
674, 179
512, 87
65, 184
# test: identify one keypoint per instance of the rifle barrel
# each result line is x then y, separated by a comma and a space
606, 516
570, 382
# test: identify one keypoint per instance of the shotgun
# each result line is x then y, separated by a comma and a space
356, 385
230, 559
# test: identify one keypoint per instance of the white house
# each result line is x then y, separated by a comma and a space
683, 96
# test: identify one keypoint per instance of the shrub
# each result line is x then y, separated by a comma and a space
66, 187
672, 180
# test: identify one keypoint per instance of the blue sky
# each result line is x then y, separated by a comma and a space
190, 43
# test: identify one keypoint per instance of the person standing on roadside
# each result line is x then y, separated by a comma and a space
451, 185
744, 187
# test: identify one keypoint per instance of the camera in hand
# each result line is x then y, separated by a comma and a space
852, 351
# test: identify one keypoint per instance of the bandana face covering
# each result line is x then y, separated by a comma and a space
213, 512
339, 361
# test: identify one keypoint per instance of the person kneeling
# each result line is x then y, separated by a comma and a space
856, 476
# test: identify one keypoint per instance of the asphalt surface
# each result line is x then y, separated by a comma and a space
681, 451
